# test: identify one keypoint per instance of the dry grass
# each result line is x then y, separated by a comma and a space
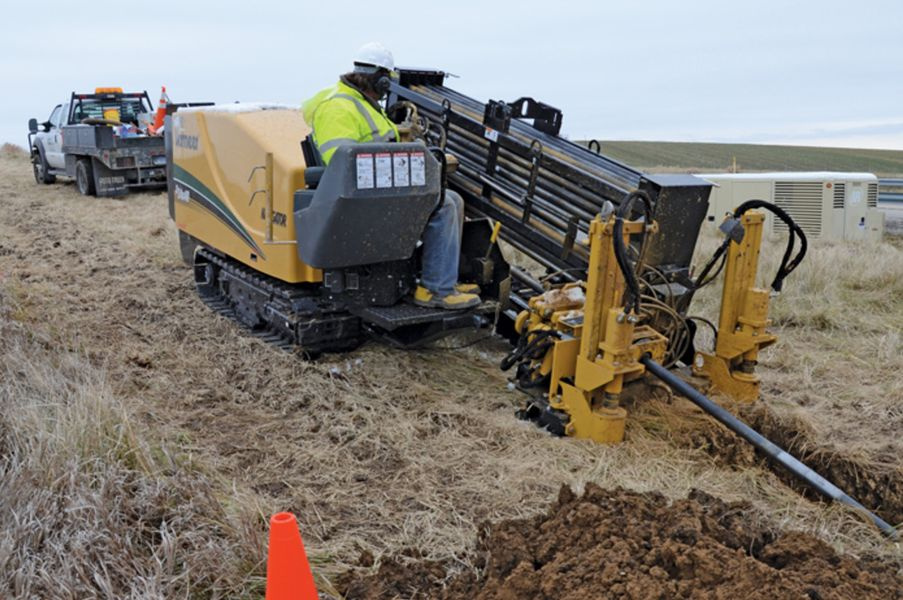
13, 151
840, 354
90, 504
376, 450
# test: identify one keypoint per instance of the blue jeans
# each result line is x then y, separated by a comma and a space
442, 246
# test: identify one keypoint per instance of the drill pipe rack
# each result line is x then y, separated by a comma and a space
543, 189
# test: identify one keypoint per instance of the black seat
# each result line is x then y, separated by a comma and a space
312, 173
363, 212
314, 161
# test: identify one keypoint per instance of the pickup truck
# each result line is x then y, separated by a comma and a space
101, 140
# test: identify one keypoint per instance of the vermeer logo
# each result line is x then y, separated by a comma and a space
181, 194
187, 141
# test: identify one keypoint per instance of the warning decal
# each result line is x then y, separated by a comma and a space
400, 162
383, 170
364, 171
418, 168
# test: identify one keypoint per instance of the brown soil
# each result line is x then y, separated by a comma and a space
873, 478
620, 544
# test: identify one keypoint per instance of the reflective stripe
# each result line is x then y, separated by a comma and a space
335, 144
364, 113
385, 137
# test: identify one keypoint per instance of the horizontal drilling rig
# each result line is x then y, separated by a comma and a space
325, 257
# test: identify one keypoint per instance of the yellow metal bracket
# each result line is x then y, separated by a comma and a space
599, 344
743, 319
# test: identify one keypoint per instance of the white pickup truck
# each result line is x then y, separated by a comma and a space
102, 141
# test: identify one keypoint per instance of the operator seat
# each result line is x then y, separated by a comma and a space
312, 173
370, 205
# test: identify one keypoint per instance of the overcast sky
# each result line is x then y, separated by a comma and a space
826, 73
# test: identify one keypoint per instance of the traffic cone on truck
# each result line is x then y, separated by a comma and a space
155, 128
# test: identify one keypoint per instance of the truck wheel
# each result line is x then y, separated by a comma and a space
84, 177
40, 167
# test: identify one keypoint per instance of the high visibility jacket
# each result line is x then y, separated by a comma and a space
341, 115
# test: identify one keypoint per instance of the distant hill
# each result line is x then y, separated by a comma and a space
680, 156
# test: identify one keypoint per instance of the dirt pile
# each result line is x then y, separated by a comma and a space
620, 544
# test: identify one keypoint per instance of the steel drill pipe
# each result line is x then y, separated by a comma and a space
546, 181
541, 195
769, 448
509, 201
555, 182
548, 177
540, 215
565, 204
560, 151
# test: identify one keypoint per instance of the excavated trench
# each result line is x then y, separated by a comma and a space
877, 484
875, 480
622, 544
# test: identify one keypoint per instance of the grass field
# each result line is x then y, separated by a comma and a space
669, 156
144, 440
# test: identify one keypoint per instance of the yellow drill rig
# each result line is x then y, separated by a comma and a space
323, 258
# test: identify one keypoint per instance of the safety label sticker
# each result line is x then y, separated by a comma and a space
364, 171
400, 162
418, 168
491, 134
383, 170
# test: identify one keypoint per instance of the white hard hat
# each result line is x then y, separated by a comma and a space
372, 57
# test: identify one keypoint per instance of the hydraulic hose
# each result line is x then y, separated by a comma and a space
633, 287
763, 444
787, 264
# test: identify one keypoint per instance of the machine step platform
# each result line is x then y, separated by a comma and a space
404, 314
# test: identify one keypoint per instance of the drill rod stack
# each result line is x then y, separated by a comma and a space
545, 190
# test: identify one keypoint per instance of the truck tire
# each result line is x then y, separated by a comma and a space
40, 167
84, 177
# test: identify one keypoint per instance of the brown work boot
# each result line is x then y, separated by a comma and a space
453, 301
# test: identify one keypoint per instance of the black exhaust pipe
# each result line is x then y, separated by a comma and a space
763, 444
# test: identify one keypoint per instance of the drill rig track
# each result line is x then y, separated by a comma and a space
302, 316
285, 315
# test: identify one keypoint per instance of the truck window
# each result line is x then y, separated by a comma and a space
55, 116
128, 108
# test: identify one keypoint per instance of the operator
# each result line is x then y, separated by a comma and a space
349, 113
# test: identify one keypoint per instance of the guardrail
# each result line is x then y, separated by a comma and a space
890, 190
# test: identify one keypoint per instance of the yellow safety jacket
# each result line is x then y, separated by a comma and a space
341, 115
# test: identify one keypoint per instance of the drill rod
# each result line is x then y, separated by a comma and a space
770, 449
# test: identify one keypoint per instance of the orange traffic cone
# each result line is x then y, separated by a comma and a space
161, 111
288, 572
